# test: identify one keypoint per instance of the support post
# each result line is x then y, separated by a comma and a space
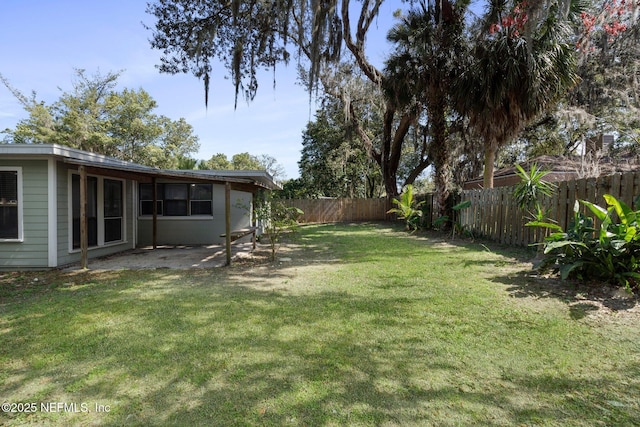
227, 219
154, 225
84, 235
254, 222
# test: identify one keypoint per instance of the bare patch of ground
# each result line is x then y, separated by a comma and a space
594, 302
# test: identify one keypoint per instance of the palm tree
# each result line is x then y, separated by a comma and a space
429, 49
522, 63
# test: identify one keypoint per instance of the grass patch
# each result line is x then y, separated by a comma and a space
364, 326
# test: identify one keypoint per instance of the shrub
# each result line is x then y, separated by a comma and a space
609, 253
276, 218
407, 209
456, 225
530, 189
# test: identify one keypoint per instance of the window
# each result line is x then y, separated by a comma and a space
10, 199
177, 199
146, 199
112, 210
201, 196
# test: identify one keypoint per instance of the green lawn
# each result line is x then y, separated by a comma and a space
365, 325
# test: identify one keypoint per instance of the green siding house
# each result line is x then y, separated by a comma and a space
42, 186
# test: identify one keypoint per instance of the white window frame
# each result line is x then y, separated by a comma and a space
17, 169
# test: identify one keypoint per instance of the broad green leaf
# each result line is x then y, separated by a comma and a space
555, 245
624, 212
542, 224
631, 234
462, 205
604, 230
441, 220
566, 269
599, 212
554, 237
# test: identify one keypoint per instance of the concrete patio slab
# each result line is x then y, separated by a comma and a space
173, 257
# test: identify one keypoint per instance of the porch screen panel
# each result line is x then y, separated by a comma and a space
146, 199
113, 208
92, 210
177, 199
201, 199
9, 204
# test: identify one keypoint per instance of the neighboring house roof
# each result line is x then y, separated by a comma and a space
560, 168
74, 156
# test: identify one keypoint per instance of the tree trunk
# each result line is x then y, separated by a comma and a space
489, 161
442, 179
386, 158
439, 150
390, 184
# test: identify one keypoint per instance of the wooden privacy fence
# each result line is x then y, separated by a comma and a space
494, 213
340, 210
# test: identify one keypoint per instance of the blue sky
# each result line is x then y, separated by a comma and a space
43, 41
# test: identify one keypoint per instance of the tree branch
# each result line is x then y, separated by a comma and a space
416, 171
26, 103
368, 144
357, 47
398, 137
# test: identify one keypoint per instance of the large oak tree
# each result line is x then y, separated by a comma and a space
247, 35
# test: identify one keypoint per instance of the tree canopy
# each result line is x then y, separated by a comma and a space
494, 79
95, 117
244, 161
333, 162
606, 98
429, 55
608, 93
522, 63
244, 36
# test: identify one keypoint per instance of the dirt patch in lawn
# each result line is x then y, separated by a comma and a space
594, 302
516, 269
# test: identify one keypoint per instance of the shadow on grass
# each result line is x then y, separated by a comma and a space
515, 270
582, 299
239, 346
218, 352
